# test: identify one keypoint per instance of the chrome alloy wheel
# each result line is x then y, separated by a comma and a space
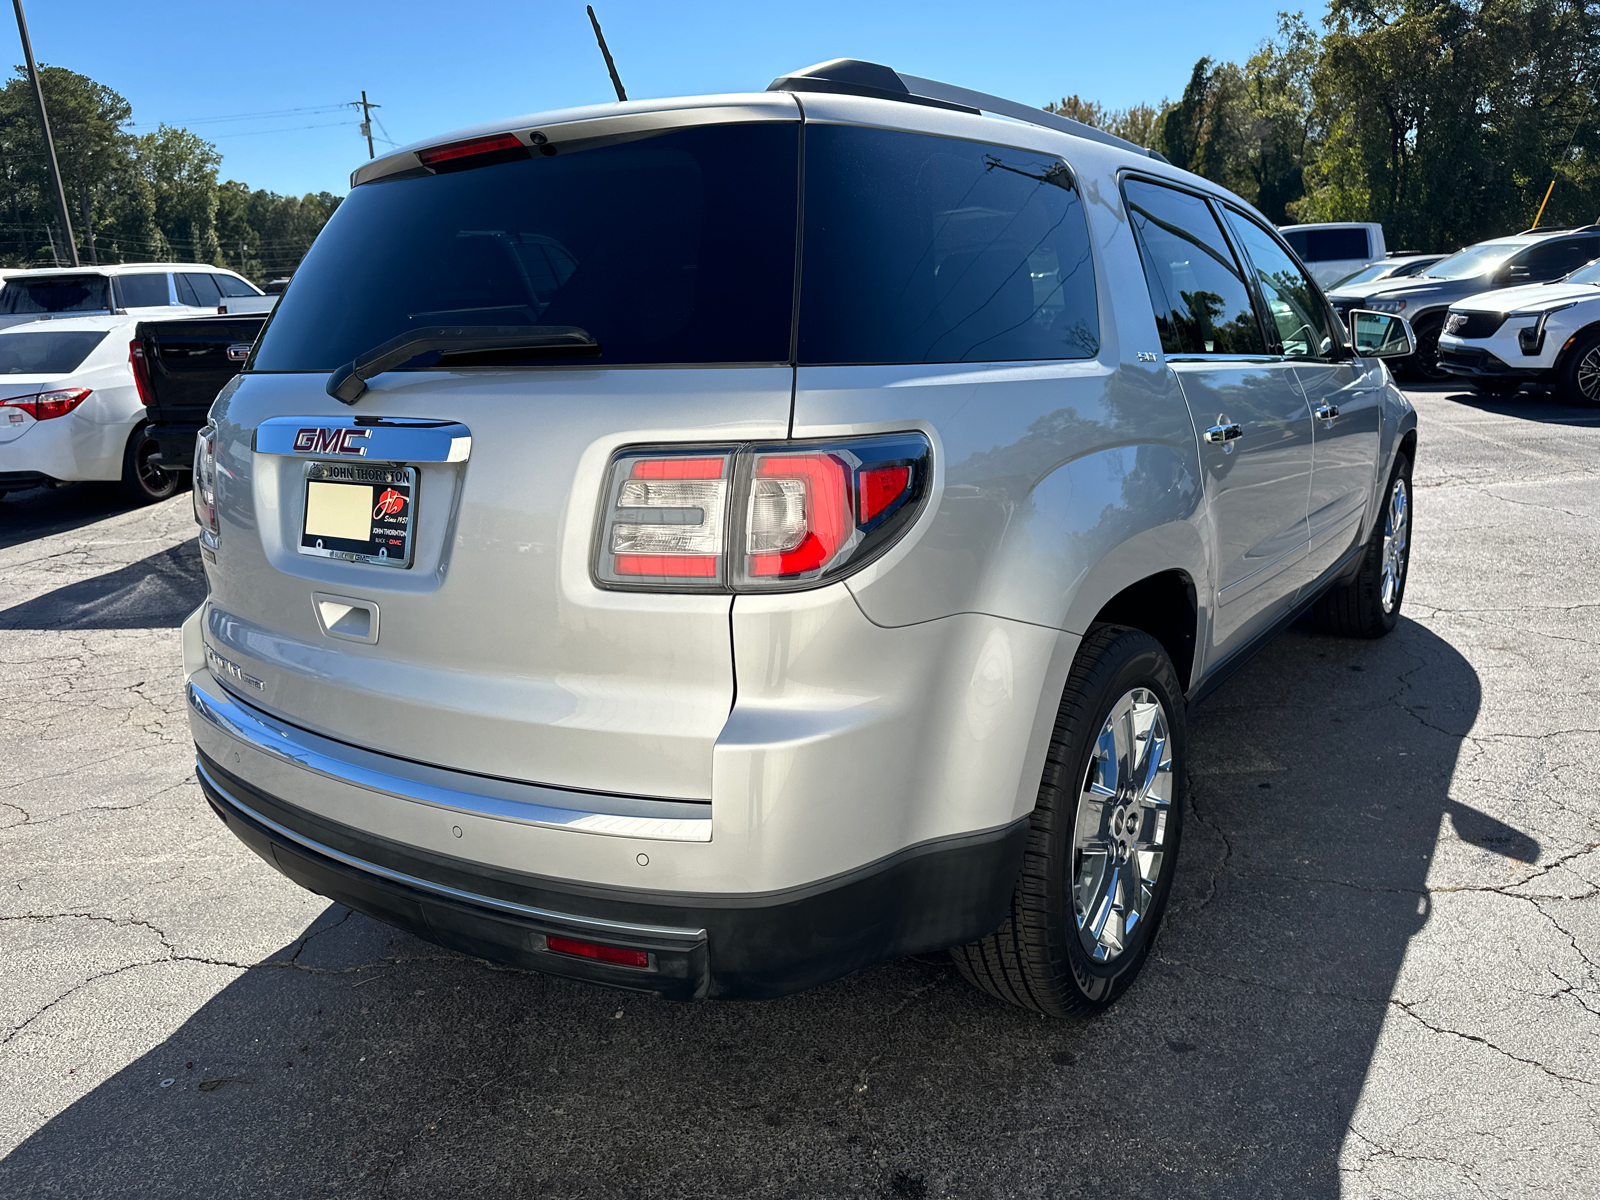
1396, 535
1120, 835
1589, 376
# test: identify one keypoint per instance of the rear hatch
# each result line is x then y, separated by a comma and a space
189, 361
467, 630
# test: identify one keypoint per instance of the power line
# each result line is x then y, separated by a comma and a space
255, 116
285, 129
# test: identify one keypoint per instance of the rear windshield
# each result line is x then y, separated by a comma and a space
928, 249
56, 352
673, 249
1328, 245
56, 294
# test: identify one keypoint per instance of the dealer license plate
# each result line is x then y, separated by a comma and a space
360, 513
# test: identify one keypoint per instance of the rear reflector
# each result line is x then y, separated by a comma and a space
453, 150
609, 954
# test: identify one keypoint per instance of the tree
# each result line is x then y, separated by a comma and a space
1135, 123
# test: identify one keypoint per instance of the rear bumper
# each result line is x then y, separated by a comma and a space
723, 946
175, 442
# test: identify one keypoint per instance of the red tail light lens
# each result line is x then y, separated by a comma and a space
665, 519
46, 406
141, 372
433, 156
607, 954
757, 517
205, 484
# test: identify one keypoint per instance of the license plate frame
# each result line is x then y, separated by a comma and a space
390, 502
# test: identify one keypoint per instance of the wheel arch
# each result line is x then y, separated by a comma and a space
1166, 606
1567, 347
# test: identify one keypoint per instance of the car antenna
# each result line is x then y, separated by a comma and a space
616, 80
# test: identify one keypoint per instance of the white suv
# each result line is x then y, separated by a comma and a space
707, 546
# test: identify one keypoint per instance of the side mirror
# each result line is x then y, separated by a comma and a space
1516, 274
1381, 335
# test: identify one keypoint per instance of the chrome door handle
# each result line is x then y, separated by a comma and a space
1218, 434
1327, 412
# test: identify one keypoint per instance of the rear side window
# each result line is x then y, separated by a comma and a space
143, 291
195, 288
926, 249
228, 285
673, 249
1201, 301
57, 294
54, 353
1329, 245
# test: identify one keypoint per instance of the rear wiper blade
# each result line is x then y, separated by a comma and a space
348, 382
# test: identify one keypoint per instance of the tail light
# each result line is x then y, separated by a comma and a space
141, 372
46, 406
205, 485
771, 517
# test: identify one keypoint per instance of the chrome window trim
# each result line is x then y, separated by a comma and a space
590, 925
216, 713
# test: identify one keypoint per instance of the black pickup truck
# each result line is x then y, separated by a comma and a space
180, 366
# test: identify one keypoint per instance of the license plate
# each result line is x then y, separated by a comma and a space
360, 513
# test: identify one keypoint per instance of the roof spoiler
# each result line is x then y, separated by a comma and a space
853, 77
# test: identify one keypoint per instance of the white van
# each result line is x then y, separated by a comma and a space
1337, 248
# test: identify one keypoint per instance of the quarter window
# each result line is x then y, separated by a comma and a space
1296, 308
1201, 301
928, 249
142, 291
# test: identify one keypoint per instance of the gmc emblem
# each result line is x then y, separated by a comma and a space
331, 441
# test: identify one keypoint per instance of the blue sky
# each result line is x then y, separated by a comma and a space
439, 66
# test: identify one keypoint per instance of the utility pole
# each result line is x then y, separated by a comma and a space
366, 119
49, 142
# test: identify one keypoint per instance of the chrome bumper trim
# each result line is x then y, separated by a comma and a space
592, 925
216, 711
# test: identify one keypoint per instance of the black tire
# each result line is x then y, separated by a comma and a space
1423, 366
144, 482
1495, 387
1358, 608
1578, 374
1038, 959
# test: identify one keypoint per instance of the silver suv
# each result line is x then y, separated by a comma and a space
708, 546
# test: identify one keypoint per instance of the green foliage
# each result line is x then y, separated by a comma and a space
1136, 124
149, 198
1446, 120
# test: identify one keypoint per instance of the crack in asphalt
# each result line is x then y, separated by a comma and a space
1406, 1008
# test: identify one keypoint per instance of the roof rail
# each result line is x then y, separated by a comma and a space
853, 77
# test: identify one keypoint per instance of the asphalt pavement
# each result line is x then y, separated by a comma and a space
1378, 977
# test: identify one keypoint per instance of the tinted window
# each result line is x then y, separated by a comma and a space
201, 287
1297, 311
1328, 245
142, 291
55, 294
1201, 300
228, 285
54, 353
925, 249
1552, 260
677, 248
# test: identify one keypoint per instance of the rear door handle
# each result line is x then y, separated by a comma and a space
1327, 412
1219, 434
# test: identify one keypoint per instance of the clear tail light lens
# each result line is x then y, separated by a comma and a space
46, 406
205, 483
757, 517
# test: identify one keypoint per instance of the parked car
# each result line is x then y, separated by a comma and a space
1335, 249
1534, 257
70, 410
599, 585
1547, 334
1395, 266
180, 365
138, 289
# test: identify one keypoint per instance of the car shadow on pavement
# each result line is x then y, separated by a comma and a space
40, 512
362, 1062
157, 592
1528, 405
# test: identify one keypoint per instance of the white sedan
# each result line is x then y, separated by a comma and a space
70, 408
1547, 333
